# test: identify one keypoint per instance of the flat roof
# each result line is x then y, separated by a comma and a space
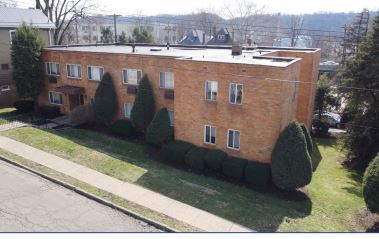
252, 56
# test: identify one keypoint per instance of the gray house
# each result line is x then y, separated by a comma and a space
222, 37
195, 37
10, 20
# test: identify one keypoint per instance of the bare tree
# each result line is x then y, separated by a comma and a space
63, 13
8, 3
296, 28
242, 15
206, 19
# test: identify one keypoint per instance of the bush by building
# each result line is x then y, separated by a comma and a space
291, 164
82, 114
371, 185
122, 128
24, 106
233, 168
195, 158
257, 175
214, 158
49, 111
308, 138
175, 152
159, 130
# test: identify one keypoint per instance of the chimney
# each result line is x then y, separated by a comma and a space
203, 38
134, 48
236, 49
168, 46
214, 34
233, 36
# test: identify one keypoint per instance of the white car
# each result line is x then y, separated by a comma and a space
333, 119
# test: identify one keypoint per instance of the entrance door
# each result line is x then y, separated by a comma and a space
76, 100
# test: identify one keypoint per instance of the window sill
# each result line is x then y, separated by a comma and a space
233, 149
210, 101
73, 78
91, 80
53, 75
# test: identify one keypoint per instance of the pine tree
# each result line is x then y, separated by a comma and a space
123, 38
106, 35
159, 130
143, 108
26, 61
105, 104
362, 71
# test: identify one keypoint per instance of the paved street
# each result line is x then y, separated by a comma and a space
30, 203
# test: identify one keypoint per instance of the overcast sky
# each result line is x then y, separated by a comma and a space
154, 7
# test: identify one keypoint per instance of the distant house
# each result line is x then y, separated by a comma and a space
195, 37
300, 41
222, 37
10, 20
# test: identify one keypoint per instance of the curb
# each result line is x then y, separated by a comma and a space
93, 197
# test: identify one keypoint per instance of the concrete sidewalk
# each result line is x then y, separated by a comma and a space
139, 195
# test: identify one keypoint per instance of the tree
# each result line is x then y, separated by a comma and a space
325, 99
8, 3
63, 13
26, 60
142, 35
291, 164
159, 130
123, 38
361, 89
371, 185
307, 138
106, 35
296, 28
143, 108
105, 104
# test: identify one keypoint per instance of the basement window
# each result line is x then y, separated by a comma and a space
55, 98
210, 134
234, 139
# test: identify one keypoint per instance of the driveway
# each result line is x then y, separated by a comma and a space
29, 203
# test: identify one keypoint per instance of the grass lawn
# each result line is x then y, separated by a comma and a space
336, 195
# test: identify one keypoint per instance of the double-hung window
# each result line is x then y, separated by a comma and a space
95, 72
235, 93
211, 90
166, 80
55, 98
12, 35
131, 76
171, 116
74, 71
234, 139
53, 68
128, 109
209, 134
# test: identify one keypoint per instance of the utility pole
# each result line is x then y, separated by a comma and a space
76, 31
168, 29
115, 27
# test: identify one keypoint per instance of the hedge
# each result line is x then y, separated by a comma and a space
291, 165
195, 158
175, 151
233, 168
371, 185
122, 128
159, 130
308, 138
49, 111
24, 106
257, 175
214, 158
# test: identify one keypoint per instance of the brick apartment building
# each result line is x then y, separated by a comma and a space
236, 103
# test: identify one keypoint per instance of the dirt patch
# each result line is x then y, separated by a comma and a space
201, 188
368, 220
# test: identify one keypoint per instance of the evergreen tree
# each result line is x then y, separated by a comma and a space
325, 99
141, 35
143, 108
106, 35
362, 71
26, 60
371, 185
159, 130
105, 104
123, 38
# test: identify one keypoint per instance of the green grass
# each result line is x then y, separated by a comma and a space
336, 195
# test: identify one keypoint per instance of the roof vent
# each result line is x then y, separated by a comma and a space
155, 49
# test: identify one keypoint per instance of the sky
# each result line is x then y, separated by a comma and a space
154, 7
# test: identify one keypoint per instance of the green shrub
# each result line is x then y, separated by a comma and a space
320, 127
291, 165
308, 138
143, 109
159, 130
257, 175
214, 158
105, 104
122, 128
24, 106
49, 111
371, 185
233, 168
174, 152
195, 158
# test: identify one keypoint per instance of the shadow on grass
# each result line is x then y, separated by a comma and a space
316, 156
356, 184
259, 211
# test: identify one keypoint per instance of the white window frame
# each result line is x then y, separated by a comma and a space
227, 142
235, 93
210, 131
211, 99
127, 70
172, 122
100, 67
4, 88
10, 35
164, 85
48, 68
125, 104
51, 102
74, 77
221, 37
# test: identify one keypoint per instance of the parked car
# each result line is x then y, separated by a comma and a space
332, 119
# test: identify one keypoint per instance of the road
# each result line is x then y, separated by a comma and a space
29, 203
